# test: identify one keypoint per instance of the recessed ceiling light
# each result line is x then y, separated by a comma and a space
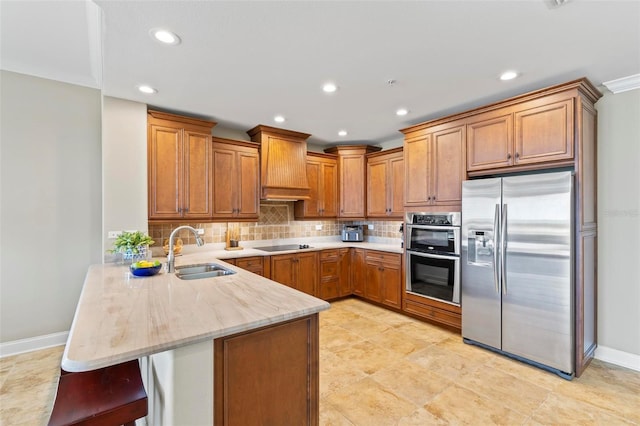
342, 133
165, 36
147, 89
278, 119
508, 75
329, 87
402, 111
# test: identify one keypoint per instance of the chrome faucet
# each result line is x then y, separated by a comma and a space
171, 258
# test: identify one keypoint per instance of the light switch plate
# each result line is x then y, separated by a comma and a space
113, 234
200, 231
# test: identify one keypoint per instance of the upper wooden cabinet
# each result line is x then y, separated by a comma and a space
179, 167
283, 170
322, 175
352, 179
434, 161
236, 179
385, 184
533, 132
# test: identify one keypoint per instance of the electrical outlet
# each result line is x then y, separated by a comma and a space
113, 234
200, 231
370, 226
318, 227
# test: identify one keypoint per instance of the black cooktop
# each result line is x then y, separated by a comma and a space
283, 247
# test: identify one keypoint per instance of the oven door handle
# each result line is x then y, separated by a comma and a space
435, 256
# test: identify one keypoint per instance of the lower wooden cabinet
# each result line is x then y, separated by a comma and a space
268, 376
335, 280
358, 272
383, 282
296, 270
253, 264
433, 310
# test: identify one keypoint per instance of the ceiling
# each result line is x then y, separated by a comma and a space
242, 62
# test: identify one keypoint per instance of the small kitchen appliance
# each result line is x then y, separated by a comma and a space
352, 233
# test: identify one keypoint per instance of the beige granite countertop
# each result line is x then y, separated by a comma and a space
120, 317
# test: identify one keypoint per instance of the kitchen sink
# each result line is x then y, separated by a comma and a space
203, 270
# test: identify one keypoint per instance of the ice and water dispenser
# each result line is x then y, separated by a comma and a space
480, 248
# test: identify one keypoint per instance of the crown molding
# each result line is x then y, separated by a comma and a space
623, 84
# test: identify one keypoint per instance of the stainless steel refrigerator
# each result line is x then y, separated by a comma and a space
517, 268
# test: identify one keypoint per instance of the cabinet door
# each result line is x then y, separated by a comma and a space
307, 272
344, 272
223, 181
197, 167
248, 187
544, 133
282, 269
165, 172
395, 187
358, 272
391, 279
373, 283
377, 192
447, 155
329, 191
490, 141
352, 187
312, 206
416, 170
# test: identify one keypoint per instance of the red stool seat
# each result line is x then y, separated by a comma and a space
110, 396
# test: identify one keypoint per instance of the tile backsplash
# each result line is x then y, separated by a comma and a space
276, 221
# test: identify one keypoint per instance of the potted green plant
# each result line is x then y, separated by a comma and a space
132, 245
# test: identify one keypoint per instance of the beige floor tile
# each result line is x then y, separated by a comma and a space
524, 371
458, 405
443, 362
335, 374
456, 345
396, 341
365, 327
563, 410
412, 382
366, 357
330, 416
366, 403
334, 337
518, 395
426, 332
336, 316
421, 417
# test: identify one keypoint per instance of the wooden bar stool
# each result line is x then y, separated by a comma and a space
109, 396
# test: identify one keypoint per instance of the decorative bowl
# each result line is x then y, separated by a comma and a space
145, 268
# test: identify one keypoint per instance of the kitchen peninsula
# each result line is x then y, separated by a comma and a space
253, 333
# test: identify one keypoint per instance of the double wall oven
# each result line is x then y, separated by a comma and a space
432, 253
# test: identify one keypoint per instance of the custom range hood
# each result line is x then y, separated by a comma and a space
283, 159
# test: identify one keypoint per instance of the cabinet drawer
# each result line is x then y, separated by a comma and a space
252, 264
329, 289
380, 256
328, 269
434, 314
329, 254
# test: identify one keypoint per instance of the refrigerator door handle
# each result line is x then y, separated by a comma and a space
496, 272
503, 249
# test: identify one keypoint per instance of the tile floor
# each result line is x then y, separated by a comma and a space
382, 368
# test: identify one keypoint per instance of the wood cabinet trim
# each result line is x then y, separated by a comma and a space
235, 142
163, 118
261, 129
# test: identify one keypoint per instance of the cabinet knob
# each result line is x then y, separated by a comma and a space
433, 198
517, 155
429, 198
186, 209
508, 156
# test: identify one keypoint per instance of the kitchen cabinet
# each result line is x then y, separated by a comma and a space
385, 184
179, 167
322, 175
358, 272
268, 376
352, 179
296, 270
253, 264
535, 132
433, 310
335, 273
383, 282
434, 159
236, 179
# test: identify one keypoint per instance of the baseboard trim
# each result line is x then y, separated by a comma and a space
31, 344
620, 358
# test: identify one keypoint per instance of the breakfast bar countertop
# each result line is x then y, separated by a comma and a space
120, 317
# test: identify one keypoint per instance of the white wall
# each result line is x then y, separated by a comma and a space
619, 221
124, 172
50, 208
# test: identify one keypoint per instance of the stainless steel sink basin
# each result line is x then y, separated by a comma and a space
203, 270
